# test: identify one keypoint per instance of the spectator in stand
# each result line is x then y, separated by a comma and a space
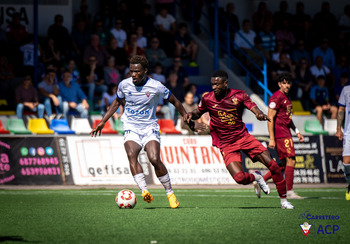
111, 74
154, 53
132, 48
60, 35
284, 65
285, 34
261, 17
28, 56
80, 39
104, 35
27, 98
344, 81
97, 50
247, 33
325, 24
141, 40
268, 38
300, 52
189, 105
166, 25
175, 88
93, 78
158, 73
49, 93
73, 70
105, 17
146, 20
304, 82
185, 45
121, 59
344, 22
319, 68
4, 45
51, 55
126, 16
300, 18
341, 68
83, 15
72, 96
166, 4
275, 57
193, 89
319, 96
7, 74
326, 53
182, 77
119, 34
231, 18
281, 15
107, 99
306, 33
16, 32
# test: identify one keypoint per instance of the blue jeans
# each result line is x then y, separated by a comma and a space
92, 88
40, 108
47, 103
80, 108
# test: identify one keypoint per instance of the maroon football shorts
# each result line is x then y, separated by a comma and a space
285, 147
248, 144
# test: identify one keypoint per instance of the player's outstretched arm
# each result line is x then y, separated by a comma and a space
340, 120
112, 108
259, 114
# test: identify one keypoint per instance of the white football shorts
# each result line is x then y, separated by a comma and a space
346, 146
142, 137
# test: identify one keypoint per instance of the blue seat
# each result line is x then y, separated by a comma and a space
60, 126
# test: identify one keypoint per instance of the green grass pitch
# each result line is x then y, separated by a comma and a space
204, 216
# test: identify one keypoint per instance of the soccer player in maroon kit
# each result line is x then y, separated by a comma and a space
229, 134
280, 113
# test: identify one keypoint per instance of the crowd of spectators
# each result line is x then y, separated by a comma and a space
80, 70
314, 49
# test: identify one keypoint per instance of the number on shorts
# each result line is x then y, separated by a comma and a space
288, 143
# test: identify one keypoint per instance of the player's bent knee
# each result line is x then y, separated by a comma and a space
241, 178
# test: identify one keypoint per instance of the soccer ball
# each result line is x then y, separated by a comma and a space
126, 199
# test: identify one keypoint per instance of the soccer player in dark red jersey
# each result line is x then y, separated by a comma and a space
280, 113
229, 134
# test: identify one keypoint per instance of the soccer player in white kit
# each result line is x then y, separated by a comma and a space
344, 111
140, 94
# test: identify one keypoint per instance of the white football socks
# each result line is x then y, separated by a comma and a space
283, 200
165, 180
140, 181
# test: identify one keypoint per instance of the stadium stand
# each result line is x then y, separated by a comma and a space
314, 127
39, 126
107, 129
60, 126
80, 126
118, 126
3, 130
167, 126
330, 125
16, 126
298, 108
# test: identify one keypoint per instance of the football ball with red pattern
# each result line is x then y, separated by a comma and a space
126, 199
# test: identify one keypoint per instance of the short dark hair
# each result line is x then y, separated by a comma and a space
220, 73
321, 77
285, 76
138, 59
182, 25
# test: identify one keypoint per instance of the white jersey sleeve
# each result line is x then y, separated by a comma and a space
120, 93
344, 101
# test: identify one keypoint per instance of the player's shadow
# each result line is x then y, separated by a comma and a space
15, 239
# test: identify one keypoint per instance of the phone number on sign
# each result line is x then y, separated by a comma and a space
40, 171
38, 161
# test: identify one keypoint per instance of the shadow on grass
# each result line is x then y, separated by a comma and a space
257, 207
153, 208
15, 238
